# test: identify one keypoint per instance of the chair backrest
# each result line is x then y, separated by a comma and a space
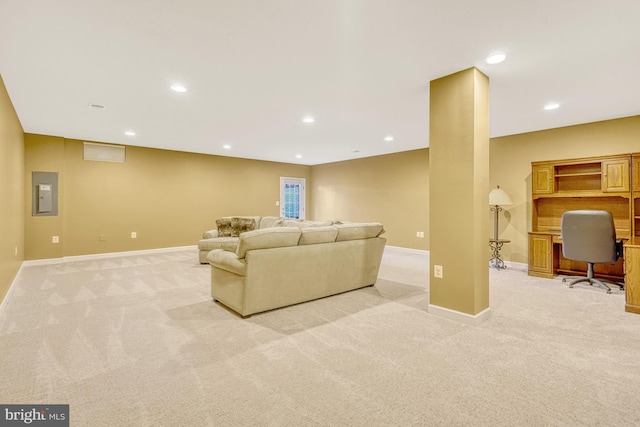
589, 236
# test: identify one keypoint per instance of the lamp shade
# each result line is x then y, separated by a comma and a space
499, 197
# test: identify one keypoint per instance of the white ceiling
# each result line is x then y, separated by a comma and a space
255, 68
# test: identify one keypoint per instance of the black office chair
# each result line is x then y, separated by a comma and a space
590, 236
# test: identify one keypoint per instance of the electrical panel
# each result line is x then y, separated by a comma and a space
45, 198
44, 193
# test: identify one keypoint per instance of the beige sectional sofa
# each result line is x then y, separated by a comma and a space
214, 239
279, 266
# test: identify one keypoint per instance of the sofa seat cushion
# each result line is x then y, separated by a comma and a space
226, 243
316, 235
266, 238
362, 230
227, 261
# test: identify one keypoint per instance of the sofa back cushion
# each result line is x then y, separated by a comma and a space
315, 235
305, 223
362, 230
267, 238
269, 221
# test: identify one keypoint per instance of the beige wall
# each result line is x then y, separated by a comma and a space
391, 189
510, 167
11, 183
43, 154
168, 198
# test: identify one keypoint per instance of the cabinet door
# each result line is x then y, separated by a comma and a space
636, 173
632, 278
540, 257
542, 179
615, 176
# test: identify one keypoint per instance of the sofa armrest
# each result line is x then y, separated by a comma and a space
210, 234
228, 261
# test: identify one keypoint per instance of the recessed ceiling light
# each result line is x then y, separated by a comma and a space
495, 58
178, 88
551, 106
130, 133
298, 156
308, 119
226, 147
388, 138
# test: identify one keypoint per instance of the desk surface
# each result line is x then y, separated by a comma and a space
634, 241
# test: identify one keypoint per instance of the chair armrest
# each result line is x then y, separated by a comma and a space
210, 234
619, 248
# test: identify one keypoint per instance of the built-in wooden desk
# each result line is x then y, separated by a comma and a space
632, 275
546, 260
600, 183
610, 183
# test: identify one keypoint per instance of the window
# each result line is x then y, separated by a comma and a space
292, 200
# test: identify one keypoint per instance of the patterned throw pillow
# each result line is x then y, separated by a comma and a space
224, 227
240, 225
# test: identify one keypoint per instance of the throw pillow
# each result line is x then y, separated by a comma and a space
240, 225
224, 227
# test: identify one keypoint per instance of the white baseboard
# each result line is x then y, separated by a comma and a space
10, 290
518, 266
63, 260
457, 316
401, 249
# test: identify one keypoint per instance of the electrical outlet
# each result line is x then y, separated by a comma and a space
134, 235
437, 271
55, 239
102, 238
420, 234
277, 202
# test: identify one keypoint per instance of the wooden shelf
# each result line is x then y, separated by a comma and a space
562, 175
579, 194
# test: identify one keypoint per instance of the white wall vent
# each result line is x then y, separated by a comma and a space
104, 152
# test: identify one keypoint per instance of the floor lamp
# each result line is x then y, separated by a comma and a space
497, 199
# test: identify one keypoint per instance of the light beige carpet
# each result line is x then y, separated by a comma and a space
137, 341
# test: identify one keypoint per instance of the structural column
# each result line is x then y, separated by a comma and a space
458, 196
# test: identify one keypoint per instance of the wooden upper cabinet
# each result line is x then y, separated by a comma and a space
615, 176
542, 179
635, 166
